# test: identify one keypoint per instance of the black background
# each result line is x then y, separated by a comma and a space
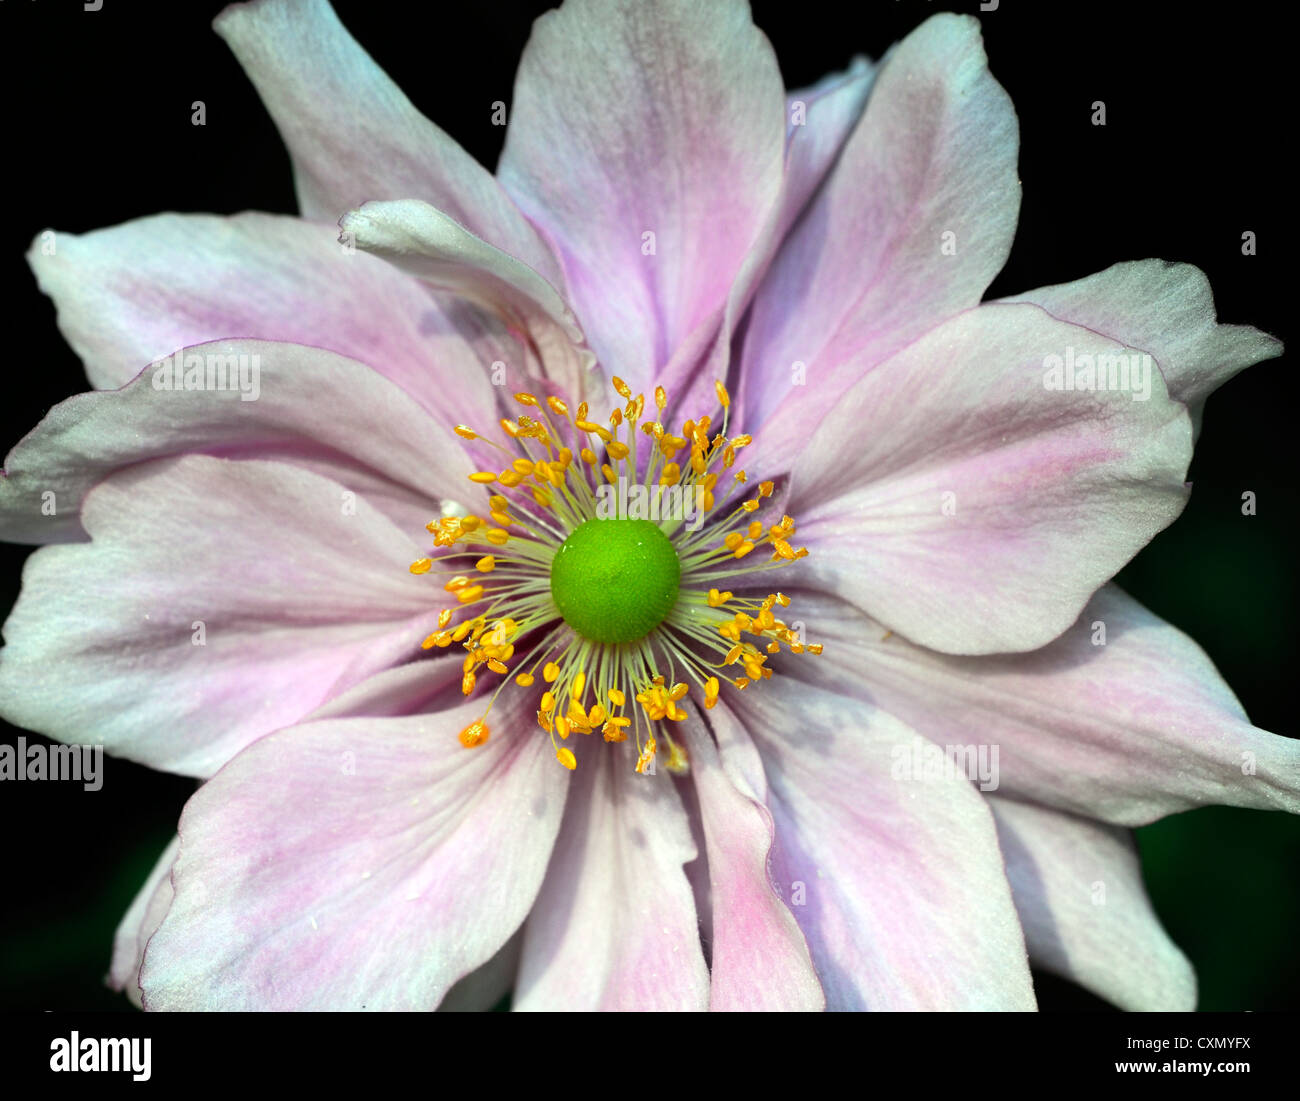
1196, 150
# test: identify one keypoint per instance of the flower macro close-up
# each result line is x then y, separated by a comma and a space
655, 574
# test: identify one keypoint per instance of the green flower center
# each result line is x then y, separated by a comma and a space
615, 580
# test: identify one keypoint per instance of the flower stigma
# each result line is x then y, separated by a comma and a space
597, 577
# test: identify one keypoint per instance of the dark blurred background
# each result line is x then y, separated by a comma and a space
97, 131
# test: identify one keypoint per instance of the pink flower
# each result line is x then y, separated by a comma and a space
242, 588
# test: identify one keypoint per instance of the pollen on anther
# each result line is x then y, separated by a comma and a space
475, 734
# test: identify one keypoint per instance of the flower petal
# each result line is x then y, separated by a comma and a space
1079, 892
826, 114
614, 926
139, 923
887, 877
129, 295
632, 119
311, 407
1122, 718
865, 271
357, 864
759, 960
953, 497
354, 136
215, 602
1168, 310
423, 241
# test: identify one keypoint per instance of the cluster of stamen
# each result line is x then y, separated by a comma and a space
501, 574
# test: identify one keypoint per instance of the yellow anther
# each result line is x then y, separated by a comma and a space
455, 583
566, 758
678, 763
617, 698
525, 399
467, 684
661, 398
617, 450
496, 536
672, 474
475, 734
522, 466
717, 599
469, 595
524, 680
624, 391
444, 617
765, 488
550, 671
648, 753
465, 432
483, 477
511, 478
562, 726
486, 564
576, 688
557, 407
422, 565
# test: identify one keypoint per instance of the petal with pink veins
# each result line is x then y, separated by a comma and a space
865, 270
1079, 892
828, 114
759, 958
614, 927
955, 498
352, 133
1166, 309
632, 119
1123, 718
424, 242
137, 292
362, 863
174, 648
876, 866
312, 408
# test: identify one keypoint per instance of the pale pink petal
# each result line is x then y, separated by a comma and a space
1166, 309
1122, 718
313, 408
216, 601
632, 119
424, 242
129, 295
614, 927
865, 270
357, 864
354, 136
139, 923
820, 119
1079, 892
887, 876
759, 958
953, 497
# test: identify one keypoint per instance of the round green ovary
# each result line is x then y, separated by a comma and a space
615, 580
